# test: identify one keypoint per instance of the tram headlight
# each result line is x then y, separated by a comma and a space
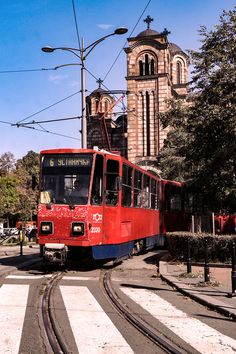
46, 227
77, 229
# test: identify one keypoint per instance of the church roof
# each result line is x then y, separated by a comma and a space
174, 48
147, 32
99, 90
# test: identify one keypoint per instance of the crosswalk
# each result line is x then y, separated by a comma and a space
92, 328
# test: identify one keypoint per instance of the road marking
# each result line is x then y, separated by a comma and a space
13, 301
93, 330
200, 336
29, 276
79, 278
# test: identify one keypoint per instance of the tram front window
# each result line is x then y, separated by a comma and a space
65, 179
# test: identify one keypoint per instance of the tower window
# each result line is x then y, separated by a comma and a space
152, 67
147, 65
106, 103
140, 68
179, 72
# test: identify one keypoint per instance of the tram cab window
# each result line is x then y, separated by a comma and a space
126, 185
97, 186
137, 189
146, 192
59, 174
112, 185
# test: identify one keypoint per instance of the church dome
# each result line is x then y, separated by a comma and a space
147, 32
174, 48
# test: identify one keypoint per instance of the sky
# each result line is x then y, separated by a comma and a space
28, 93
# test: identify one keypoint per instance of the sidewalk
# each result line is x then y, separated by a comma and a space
213, 294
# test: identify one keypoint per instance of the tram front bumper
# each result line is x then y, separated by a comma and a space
55, 253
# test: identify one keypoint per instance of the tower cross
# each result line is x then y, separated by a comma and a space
148, 20
99, 81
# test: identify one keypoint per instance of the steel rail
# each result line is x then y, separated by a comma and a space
57, 344
136, 321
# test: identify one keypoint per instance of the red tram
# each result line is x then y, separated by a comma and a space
176, 206
118, 211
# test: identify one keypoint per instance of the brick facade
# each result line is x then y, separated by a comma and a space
156, 72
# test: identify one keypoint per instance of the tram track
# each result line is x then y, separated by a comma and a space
54, 335
136, 321
56, 341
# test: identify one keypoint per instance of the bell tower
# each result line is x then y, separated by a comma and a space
156, 71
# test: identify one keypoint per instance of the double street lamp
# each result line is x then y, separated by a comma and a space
82, 54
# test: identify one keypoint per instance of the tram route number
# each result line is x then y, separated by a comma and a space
95, 229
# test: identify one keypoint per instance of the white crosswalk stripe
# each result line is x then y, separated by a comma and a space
93, 330
200, 336
28, 276
13, 302
79, 278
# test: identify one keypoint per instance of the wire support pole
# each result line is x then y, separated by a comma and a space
83, 99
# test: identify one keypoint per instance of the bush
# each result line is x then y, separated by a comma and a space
219, 247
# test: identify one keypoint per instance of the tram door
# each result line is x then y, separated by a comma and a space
111, 202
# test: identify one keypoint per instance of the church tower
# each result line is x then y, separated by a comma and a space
156, 72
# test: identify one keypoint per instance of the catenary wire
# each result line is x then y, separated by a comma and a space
126, 41
46, 121
76, 24
53, 133
24, 70
52, 105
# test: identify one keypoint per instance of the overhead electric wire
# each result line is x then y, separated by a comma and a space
53, 133
76, 24
101, 84
44, 109
46, 121
2, 121
25, 70
126, 41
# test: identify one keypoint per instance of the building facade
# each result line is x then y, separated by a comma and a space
157, 71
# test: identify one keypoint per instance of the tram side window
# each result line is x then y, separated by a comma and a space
172, 197
97, 188
137, 189
176, 202
154, 194
112, 175
127, 185
146, 192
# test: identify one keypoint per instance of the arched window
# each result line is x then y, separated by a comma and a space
179, 72
146, 64
96, 105
152, 67
140, 68
106, 104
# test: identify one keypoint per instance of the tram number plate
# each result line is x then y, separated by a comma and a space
95, 230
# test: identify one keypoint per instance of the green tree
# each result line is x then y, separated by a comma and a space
9, 201
26, 168
7, 163
202, 140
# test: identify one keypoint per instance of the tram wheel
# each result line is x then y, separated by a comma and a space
139, 246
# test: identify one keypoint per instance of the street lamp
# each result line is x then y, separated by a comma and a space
82, 54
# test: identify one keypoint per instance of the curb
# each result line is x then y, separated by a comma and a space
206, 300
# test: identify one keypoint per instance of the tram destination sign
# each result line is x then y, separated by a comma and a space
66, 161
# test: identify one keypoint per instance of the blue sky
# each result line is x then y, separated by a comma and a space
26, 26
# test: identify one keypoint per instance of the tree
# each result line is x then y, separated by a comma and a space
9, 200
7, 163
202, 140
26, 168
